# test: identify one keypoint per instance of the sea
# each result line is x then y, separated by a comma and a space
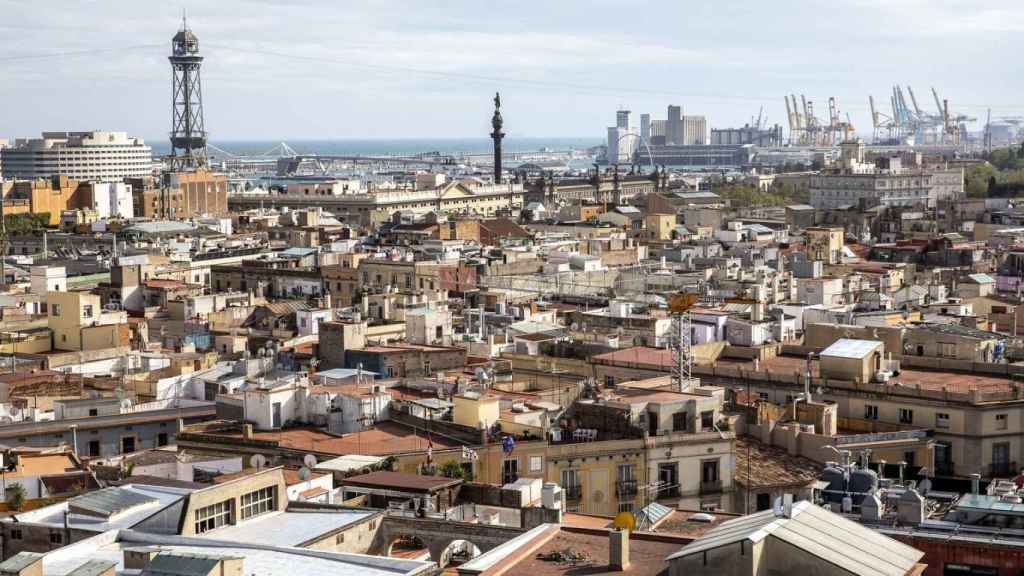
390, 146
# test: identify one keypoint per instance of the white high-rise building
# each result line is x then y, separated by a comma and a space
97, 156
621, 145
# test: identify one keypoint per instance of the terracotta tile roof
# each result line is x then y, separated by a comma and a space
381, 440
771, 466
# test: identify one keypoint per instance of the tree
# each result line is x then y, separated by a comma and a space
452, 469
16, 496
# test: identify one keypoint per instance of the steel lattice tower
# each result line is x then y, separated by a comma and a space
188, 133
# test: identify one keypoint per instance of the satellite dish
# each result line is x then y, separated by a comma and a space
258, 461
820, 391
624, 521
310, 461
305, 474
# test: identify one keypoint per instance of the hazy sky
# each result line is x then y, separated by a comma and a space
278, 69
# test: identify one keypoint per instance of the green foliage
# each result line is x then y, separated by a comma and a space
452, 469
743, 196
16, 496
1000, 175
18, 224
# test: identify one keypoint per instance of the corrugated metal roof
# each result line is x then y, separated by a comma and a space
93, 568
109, 501
179, 564
850, 348
19, 562
843, 543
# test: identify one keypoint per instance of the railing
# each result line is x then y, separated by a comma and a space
668, 492
1002, 469
711, 487
573, 492
625, 488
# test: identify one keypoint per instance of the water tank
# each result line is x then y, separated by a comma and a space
836, 479
862, 482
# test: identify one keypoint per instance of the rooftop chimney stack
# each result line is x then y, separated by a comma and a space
618, 550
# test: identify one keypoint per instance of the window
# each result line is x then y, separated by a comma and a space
16, 534
709, 472
906, 416
536, 463
161, 439
510, 471
94, 447
941, 420
609, 381
259, 502
55, 309
1001, 421
763, 396
93, 412
213, 516
340, 539
56, 538
707, 420
87, 311
679, 421
626, 507
870, 412
764, 501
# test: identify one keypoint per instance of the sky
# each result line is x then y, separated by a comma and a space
330, 69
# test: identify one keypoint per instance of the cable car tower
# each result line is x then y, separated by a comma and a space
188, 134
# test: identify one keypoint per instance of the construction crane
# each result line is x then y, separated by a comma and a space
682, 358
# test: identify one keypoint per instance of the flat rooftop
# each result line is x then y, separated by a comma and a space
646, 556
926, 379
381, 440
289, 528
262, 560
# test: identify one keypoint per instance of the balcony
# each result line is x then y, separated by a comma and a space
625, 488
669, 492
711, 487
1002, 469
573, 492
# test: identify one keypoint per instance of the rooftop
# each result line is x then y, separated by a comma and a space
760, 465
847, 545
399, 480
289, 528
382, 439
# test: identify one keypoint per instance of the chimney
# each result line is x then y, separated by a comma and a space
618, 550
787, 505
23, 564
139, 558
